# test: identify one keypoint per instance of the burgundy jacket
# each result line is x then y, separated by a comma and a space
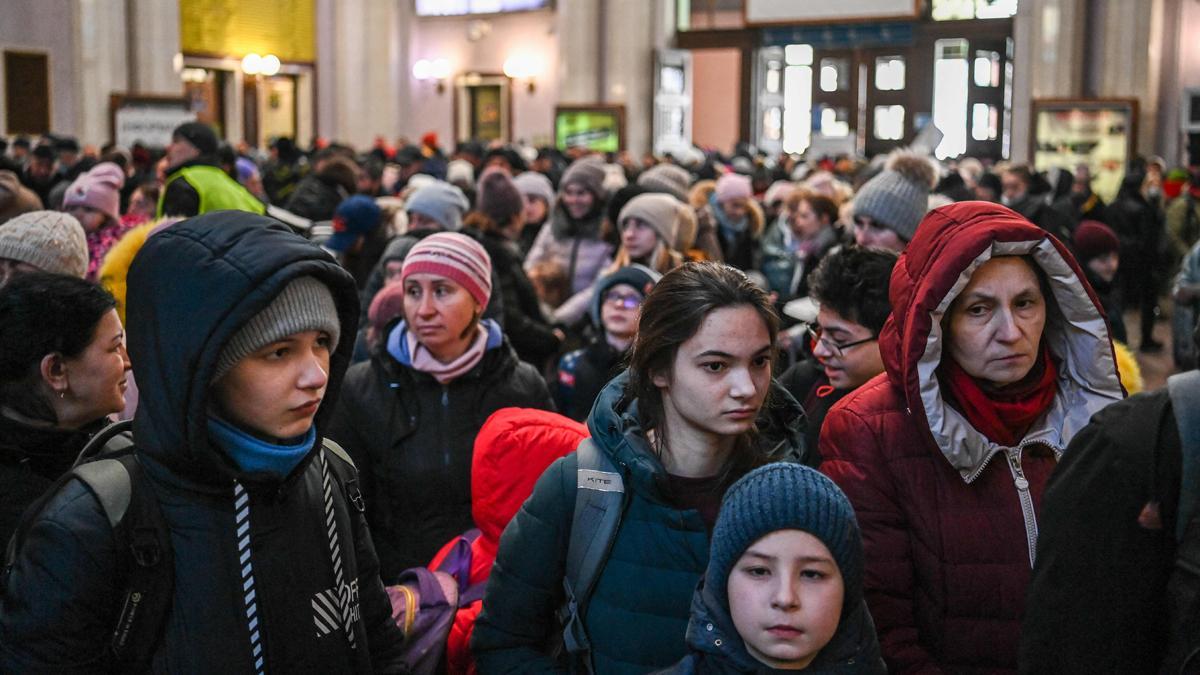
948, 517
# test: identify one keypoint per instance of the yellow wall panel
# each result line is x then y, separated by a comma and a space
239, 27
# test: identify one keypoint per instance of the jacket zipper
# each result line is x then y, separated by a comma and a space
442, 426
1031, 527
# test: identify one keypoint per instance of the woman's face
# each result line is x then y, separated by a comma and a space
996, 323
871, 234
439, 311
619, 311
276, 391
535, 209
89, 218
392, 270
577, 200
140, 204
735, 209
805, 222
638, 238
96, 377
1105, 266
785, 598
720, 375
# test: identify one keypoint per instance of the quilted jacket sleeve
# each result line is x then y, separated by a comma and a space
525, 588
850, 446
59, 598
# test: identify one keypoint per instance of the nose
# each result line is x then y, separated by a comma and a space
125, 362
741, 385
821, 351
785, 595
314, 374
1007, 330
426, 307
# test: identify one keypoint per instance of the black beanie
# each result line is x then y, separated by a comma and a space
201, 136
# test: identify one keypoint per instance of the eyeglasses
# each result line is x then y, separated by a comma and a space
623, 300
838, 348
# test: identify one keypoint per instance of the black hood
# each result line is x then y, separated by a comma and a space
191, 288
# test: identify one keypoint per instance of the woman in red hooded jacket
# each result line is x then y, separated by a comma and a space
996, 355
513, 448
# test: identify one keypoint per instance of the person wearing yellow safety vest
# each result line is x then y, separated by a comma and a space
195, 184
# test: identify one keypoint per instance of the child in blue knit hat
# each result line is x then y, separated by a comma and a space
783, 590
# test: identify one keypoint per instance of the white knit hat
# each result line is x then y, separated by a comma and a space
51, 241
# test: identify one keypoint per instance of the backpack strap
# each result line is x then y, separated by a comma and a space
599, 505
111, 440
1184, 390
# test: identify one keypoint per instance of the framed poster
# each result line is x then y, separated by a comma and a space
148, 120
776, 12
595, 127
1101, 133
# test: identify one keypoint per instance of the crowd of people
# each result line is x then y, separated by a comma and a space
504, 409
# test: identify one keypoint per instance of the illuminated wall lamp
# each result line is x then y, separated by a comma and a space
522, 67
255, 64
432, 69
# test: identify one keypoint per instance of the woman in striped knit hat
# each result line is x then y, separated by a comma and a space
409, 416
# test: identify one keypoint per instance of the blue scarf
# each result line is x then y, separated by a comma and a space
729, 231
256, 456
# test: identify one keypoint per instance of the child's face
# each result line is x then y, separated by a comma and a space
785, 597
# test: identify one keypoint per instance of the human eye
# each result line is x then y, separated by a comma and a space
762, 361
813, 574
713, 366
277, 352
325, 341
756, 571
977, 310
413, 291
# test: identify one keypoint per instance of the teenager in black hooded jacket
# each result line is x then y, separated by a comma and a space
238, 330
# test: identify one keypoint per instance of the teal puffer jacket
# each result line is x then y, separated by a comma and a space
637, 616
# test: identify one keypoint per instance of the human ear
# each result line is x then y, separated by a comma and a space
53, 369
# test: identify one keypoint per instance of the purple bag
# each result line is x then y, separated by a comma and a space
425, 601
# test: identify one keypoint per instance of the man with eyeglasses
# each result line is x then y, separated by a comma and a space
851, 285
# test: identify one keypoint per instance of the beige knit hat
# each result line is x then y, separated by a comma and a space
49, 240
660, 211
304, 304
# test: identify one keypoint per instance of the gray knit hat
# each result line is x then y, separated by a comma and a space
440, 201
304, 304
534, 184
588, 172
898, 197
786, 497
670, 178
658, 210
51, 241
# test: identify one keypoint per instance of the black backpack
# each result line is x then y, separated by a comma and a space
1183, 586
109, 468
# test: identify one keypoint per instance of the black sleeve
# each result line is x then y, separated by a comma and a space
384, 637
1097, 600
59, 598
181, 199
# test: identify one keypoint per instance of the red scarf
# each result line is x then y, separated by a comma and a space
1003, 417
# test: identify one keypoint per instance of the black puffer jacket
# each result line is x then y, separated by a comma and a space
317, 196
190, 289
413, 438
31, 459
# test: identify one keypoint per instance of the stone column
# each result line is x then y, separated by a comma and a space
359, 53
151, 42
1048, 58
1129, 63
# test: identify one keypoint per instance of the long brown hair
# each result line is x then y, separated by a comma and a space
671, 314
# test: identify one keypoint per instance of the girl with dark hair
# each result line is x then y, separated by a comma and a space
63, 368
691, 415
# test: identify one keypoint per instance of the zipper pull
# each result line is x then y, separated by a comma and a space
1014, 460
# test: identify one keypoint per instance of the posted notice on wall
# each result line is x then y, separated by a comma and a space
149, 122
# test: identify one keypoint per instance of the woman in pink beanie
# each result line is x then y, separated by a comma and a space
95, 201
409, 416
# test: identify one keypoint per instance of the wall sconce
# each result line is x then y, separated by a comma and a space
523, 67
254, 64
432, 69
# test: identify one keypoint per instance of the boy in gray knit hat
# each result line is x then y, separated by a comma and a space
784, 582
888, 208
49, 241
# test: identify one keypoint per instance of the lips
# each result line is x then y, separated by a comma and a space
785, 631
309, 408
741, 413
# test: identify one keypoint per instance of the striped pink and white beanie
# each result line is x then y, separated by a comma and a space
456, 257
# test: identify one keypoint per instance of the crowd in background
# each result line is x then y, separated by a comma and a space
923, 342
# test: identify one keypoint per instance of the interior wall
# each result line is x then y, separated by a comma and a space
529, 34
716, 94
46, 27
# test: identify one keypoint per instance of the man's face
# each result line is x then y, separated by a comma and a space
847, 367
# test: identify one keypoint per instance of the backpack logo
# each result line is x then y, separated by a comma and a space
604, 481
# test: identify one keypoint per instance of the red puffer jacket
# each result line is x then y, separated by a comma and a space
948, 517
513, 448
